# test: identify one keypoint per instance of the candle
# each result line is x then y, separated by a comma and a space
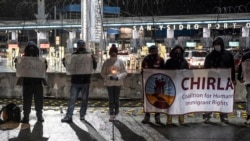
113, 71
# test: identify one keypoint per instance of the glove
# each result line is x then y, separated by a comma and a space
113, 78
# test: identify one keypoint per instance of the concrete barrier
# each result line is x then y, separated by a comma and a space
59, 85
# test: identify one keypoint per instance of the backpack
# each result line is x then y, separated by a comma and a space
10, 112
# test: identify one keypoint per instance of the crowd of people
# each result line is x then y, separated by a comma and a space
113, 72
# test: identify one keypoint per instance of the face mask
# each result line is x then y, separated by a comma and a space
217, 48
177, 55
113, 54
154, 55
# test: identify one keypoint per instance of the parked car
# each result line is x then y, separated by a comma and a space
195, 58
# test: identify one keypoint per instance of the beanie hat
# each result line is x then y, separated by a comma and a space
152, 48
34, 52
113, 49
80, 43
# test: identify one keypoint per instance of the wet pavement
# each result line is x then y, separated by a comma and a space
127, 127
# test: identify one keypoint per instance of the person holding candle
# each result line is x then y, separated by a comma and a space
113, 72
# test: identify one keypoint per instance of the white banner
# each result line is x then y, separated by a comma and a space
78, 64
184, 91
30, 67
246, 71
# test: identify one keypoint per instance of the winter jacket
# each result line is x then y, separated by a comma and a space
120, 71
223, 59
152, 62
176, 63
33, 53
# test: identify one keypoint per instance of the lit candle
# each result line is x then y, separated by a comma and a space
113, 71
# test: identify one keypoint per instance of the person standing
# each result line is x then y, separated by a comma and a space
152, 61
113, 72
79, 84
176, 61
32, 87
219, 58
240, 77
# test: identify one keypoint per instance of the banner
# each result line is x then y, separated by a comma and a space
183, 91
78, 64
246, 71
30, 67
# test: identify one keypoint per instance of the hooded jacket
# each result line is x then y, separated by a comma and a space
220, 59
176, 62
32, 53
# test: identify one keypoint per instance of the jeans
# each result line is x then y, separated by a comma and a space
74, 93
248, 99
28, 92
114, 94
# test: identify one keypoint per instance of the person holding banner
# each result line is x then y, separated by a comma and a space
176, 61
219, 58
244, 77
80, 80
32, 84
152, 61
113, 72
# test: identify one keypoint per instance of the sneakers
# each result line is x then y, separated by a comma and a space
40, 118
157, 120
112, 118
224, 120
66, 119
206, 120
146, 120
82, 118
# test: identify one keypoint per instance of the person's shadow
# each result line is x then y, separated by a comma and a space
126, 133
82, 135
25, 133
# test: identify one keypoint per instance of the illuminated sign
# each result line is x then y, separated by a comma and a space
44, 45
12, 45
190, 26
149, 44
234, 43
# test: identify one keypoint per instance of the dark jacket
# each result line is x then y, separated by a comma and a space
33, 53
83, 78
222, 59
151, 62
176, 62
244, 58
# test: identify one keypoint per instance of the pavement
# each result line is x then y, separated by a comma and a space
127, 127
